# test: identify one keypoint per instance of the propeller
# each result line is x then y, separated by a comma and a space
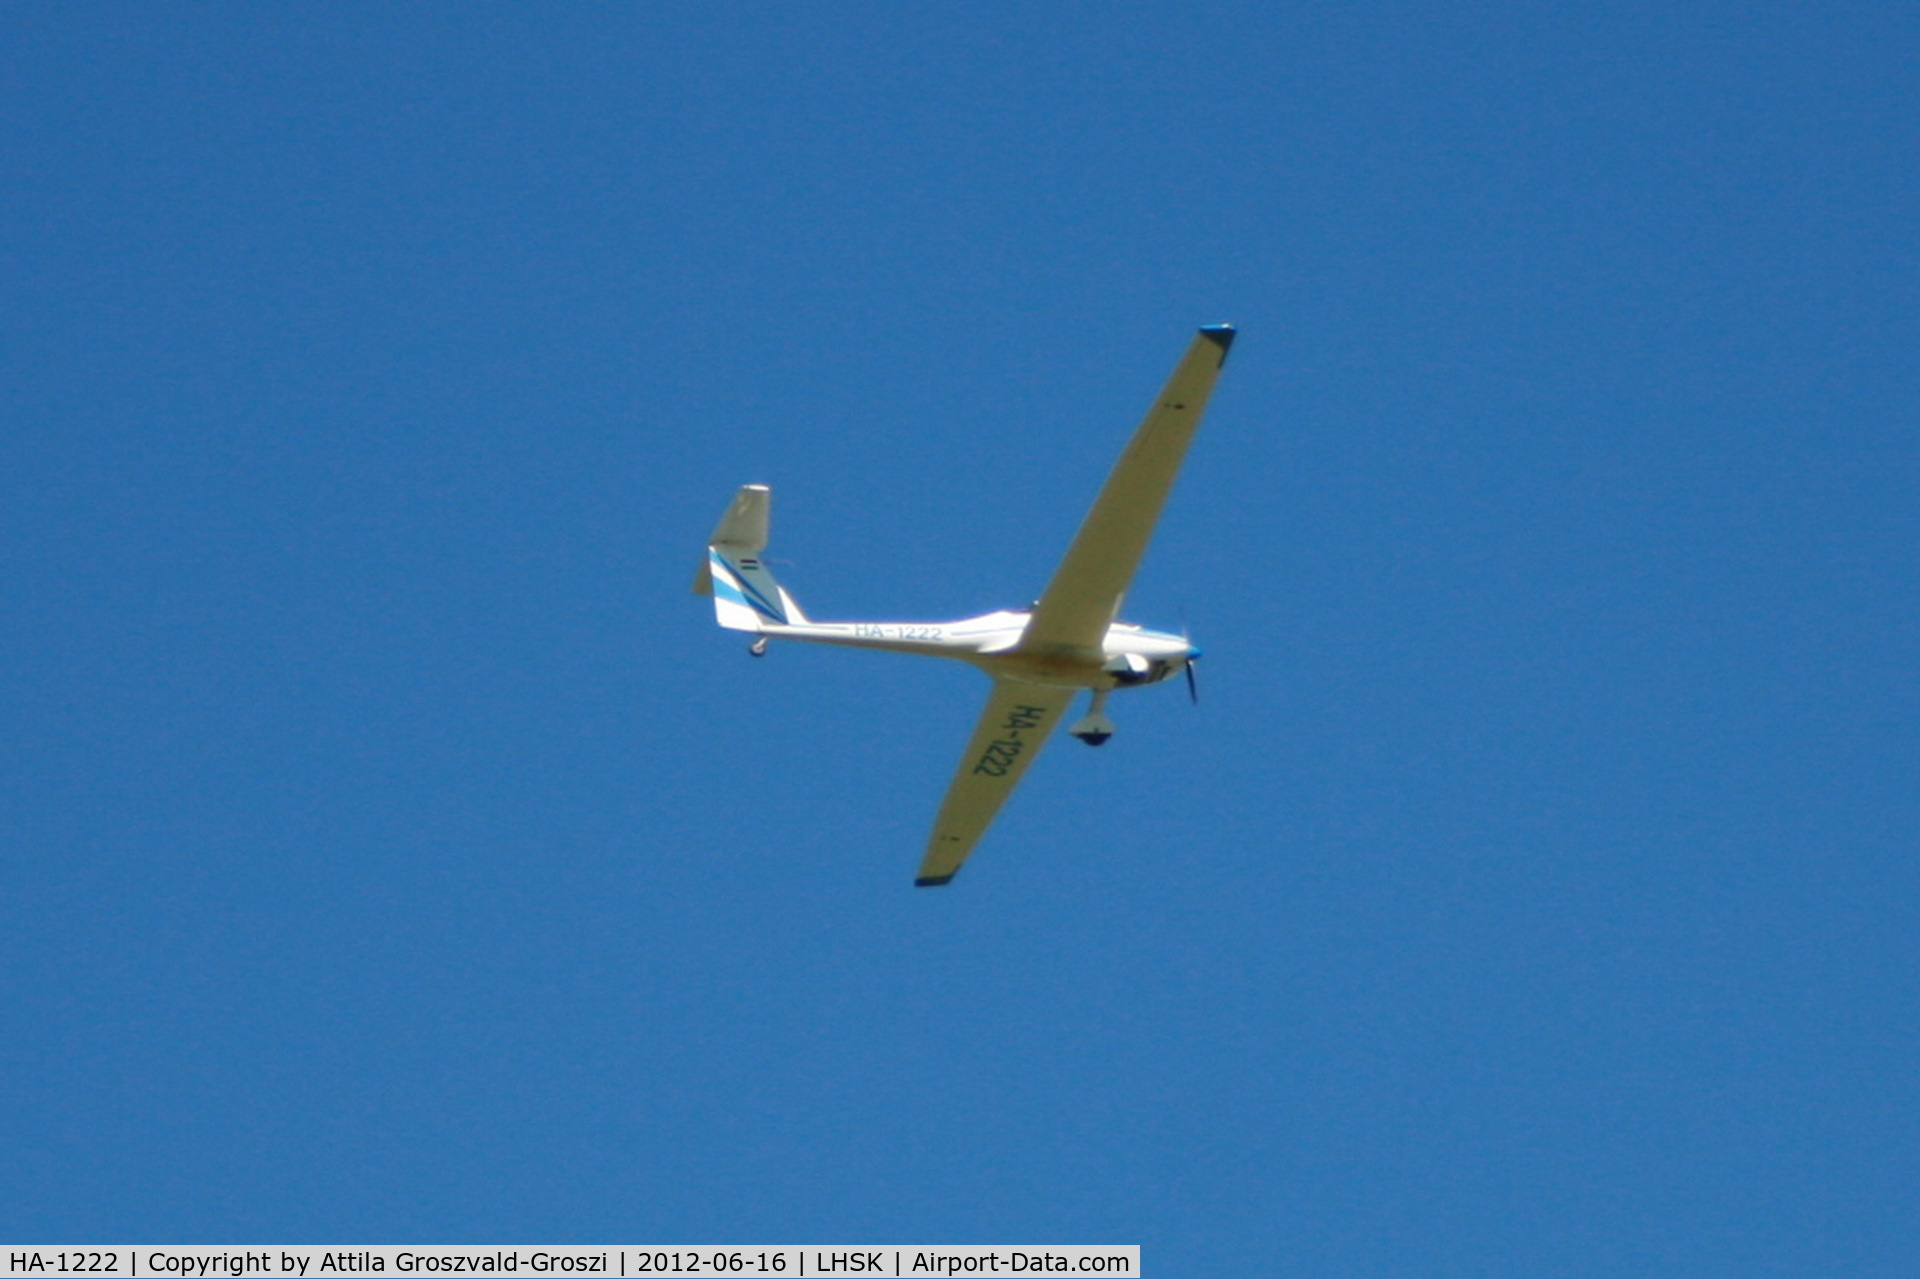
1193, 681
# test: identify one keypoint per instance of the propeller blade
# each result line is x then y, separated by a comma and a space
1193, 683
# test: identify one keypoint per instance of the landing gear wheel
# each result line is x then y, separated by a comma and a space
759, 647
1096, 727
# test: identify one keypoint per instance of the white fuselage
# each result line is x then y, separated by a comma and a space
1128, 655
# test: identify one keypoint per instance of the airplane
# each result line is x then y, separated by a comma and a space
1041, 657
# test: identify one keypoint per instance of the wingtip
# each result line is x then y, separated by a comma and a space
932, 881
1221, 335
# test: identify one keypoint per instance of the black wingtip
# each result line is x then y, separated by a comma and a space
1221, 335
932, 881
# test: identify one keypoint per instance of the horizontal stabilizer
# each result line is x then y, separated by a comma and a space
743, 529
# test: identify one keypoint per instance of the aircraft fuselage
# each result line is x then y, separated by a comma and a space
1128, 654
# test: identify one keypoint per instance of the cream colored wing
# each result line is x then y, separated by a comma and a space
1012, 729
1084, 597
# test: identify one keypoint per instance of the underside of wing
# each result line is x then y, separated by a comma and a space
1084, 597
1015, 725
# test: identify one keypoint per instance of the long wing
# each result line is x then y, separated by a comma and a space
1084, 596
1011, 732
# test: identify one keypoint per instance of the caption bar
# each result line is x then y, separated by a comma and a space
307, 1261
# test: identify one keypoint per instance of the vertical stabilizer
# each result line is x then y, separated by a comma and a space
745, 595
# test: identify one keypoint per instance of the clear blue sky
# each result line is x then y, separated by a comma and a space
393, 850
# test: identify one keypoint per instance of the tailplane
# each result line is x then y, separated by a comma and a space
745, 596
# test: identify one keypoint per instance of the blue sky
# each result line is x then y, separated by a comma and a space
394, 851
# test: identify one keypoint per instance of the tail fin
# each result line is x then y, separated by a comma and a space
745, 596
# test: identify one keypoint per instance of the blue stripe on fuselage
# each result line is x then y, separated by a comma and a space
743, 591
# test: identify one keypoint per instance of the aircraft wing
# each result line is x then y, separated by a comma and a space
1084, 597
1012, 729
